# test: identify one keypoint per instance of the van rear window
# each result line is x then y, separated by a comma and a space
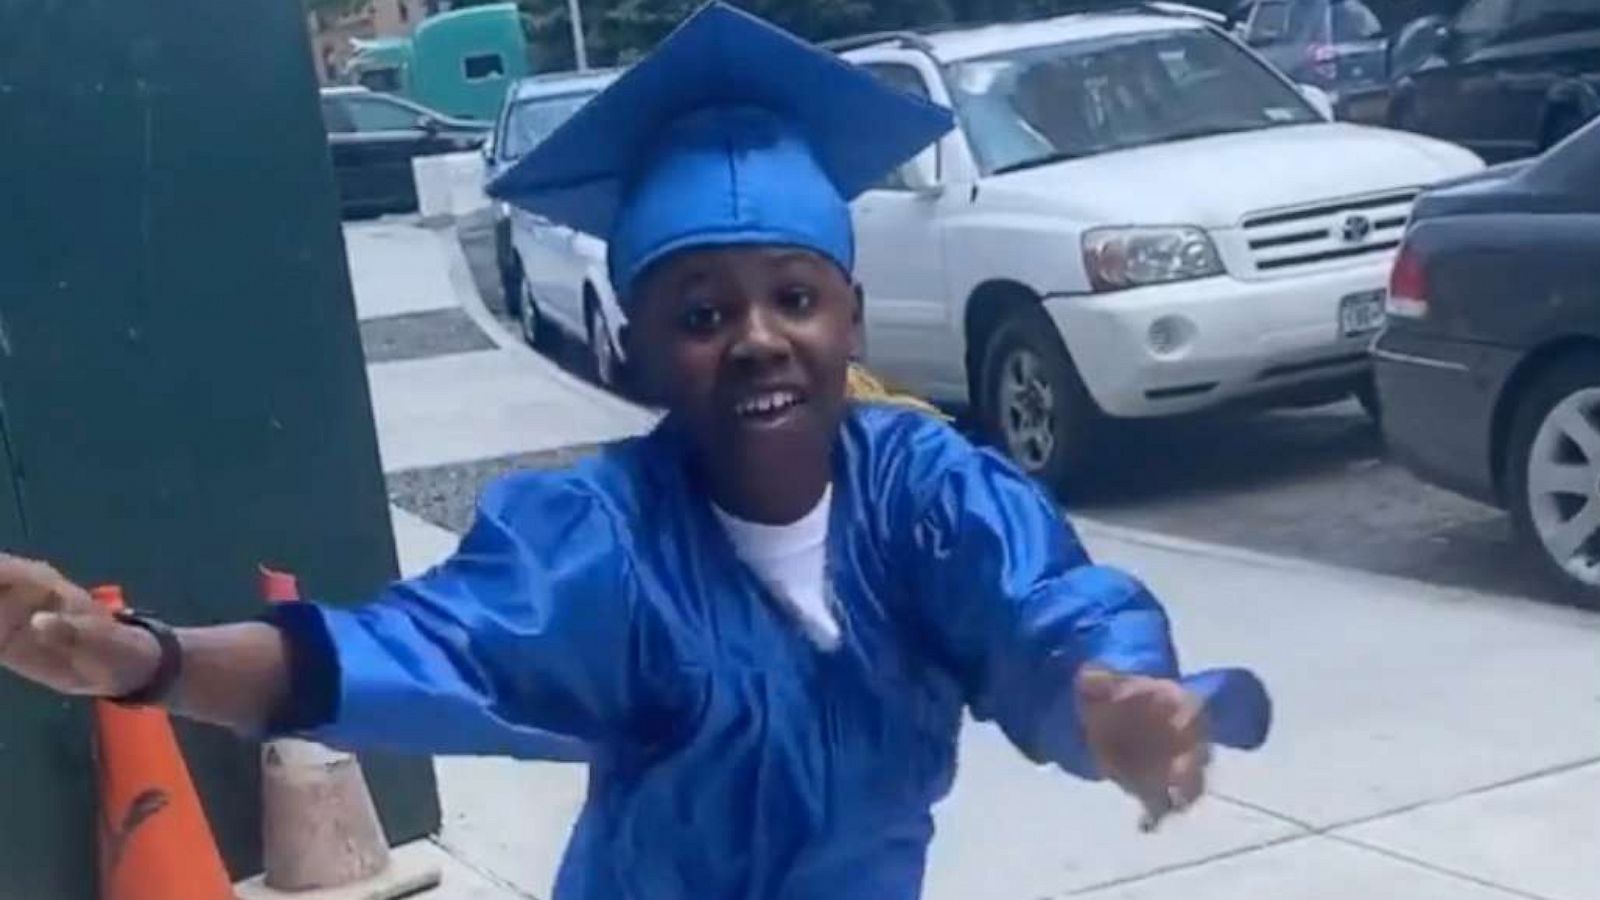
484, 65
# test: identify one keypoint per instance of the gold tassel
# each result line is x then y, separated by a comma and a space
863, 387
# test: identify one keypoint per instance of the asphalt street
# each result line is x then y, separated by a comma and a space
1314, 484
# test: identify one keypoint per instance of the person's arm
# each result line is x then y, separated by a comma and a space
51, 632
1073, 660
528, 641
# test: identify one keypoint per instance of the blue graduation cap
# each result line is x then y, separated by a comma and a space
731, 132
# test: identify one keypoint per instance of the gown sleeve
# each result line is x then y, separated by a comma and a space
529, 641
1017, 607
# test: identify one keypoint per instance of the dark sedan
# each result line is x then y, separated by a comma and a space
1489, 366
374, 137
1507, 78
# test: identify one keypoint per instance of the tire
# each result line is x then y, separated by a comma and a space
1552, 474
603, 361
1032, 403
530, 322
1371, 403
511, 285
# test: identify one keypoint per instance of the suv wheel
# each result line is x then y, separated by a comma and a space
1553, 473
529, 320
602, 353
511, 284
1032, 403
1367, 395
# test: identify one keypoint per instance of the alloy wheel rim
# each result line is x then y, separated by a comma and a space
1564, 485
600, 341
529, 315
1027, 410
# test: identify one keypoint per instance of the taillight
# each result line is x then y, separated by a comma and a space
1408, 286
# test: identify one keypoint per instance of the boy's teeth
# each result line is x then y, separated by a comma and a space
766, 404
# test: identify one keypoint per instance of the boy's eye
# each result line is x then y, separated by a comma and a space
797, 299
702, 319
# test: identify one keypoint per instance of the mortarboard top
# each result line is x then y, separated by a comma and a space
731, 132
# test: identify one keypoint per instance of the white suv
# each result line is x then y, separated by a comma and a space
1136, 217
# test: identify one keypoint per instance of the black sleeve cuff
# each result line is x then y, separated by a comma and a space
313, 669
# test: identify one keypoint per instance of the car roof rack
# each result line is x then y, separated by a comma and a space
871, 39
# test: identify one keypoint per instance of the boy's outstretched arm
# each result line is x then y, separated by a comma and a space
529, 641
1074, 661
52, 633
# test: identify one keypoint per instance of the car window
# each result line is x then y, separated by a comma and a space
483, 65
1087, 97
1283, 21
1353, 21
901, 76
378, 114
908, 79
335, 118
385, 80
1483, 18
531, 121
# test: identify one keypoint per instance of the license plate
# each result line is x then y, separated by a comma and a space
1361, 313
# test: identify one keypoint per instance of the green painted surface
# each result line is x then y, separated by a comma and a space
181, 382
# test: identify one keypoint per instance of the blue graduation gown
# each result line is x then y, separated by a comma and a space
601, 613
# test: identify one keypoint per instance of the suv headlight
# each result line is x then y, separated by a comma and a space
1118, 258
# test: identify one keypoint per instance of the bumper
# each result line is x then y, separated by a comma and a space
1439, 401
1241, 341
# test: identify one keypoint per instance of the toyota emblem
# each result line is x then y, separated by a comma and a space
1356, 229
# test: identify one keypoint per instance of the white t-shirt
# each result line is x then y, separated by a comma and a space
792, 561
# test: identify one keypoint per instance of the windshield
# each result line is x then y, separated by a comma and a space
1280, 21
531, 121
1034, 106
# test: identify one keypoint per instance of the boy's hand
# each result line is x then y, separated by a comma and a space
53, 633
1148, 736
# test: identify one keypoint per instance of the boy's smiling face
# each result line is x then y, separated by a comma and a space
750, 347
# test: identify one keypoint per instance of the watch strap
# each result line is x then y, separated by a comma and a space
168, 669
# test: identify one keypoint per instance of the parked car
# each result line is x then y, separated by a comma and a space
1338, 45
1489, 365
373, 138
554, 276
1507, 78
1136, 217
533, 107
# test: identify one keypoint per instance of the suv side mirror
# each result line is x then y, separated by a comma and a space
428, 125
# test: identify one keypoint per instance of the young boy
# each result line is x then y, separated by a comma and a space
761, 623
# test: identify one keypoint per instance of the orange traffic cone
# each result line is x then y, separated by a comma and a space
320, 831
155, 842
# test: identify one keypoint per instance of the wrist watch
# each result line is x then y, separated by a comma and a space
167, 670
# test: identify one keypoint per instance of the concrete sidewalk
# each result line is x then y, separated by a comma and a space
460, 407
1429, 743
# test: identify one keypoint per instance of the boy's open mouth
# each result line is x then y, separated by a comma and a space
768, 405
